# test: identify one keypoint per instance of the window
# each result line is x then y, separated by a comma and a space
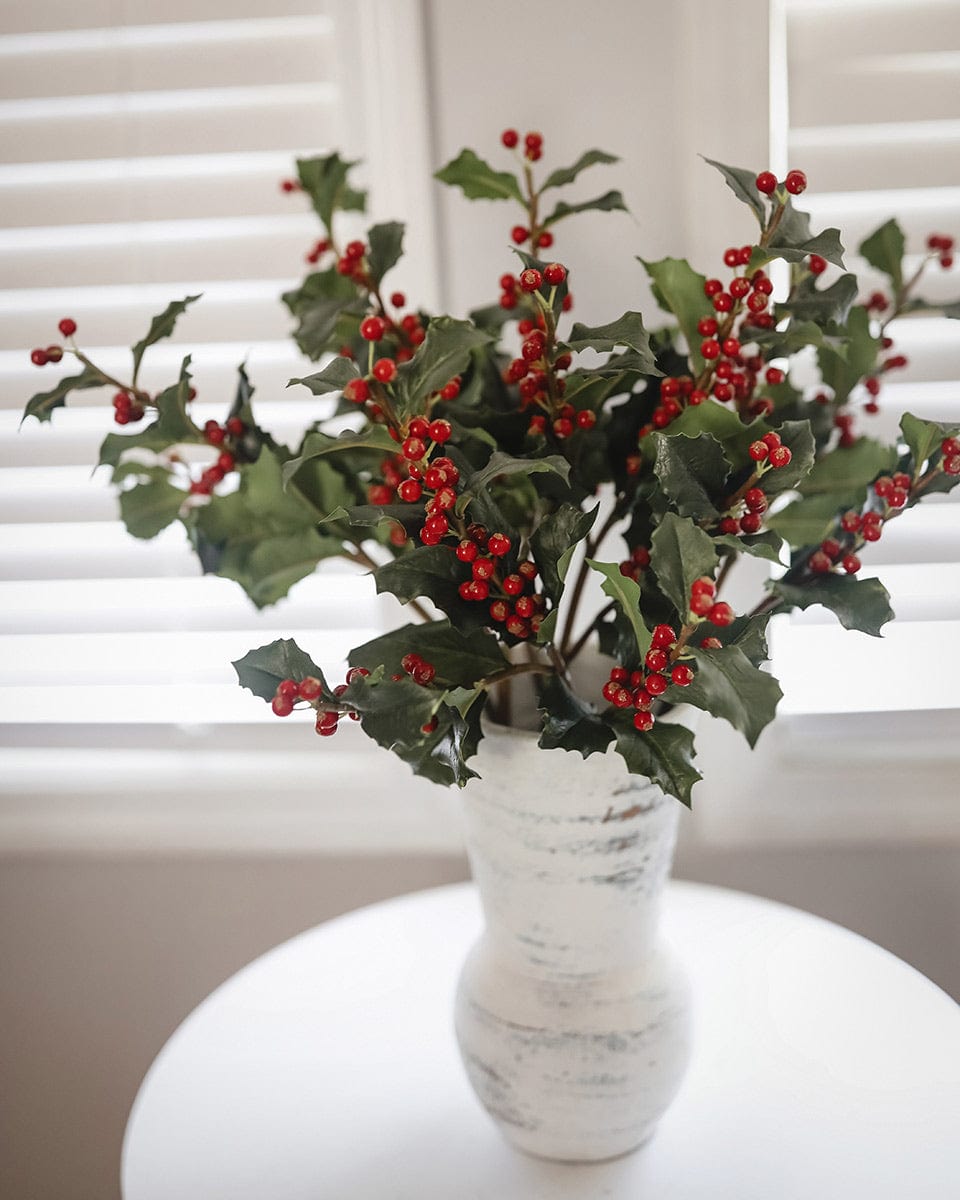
141, 164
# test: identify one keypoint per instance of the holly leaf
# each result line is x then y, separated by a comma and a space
569, 723
386, 248
862, 604
565, 175
767, 545
626, 593
609, 202
501, 464
827, 244
664, 755
922, 438
42, 404
333, 378
161, 326
846, 471
434, 572
626, 331
728, 685
743, 184
446, 351
691, 471
842, 367
720, 422
680, 552
807, 302
478, 180
553, 544
318, 445
462, 660
148, 507
884, 249
809, 519
324, 179
317, 306
261, 670
678, 289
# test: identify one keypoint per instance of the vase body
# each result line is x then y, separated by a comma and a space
572, 1015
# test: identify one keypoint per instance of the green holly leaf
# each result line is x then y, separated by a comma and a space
324, 179
503, 465
626, 593
847, 470
664, 755
318, 445
743, 184
333, 378
609, 202
161, 326
728, 685
565, 175
173, 426
386, 248
922, 438
679, 290
569, 723
626, 331
809, 519
767, 545
462, 660
827, 244
862, 604
884, 249
680, 552
842, 367
692, 471
447, 350
808, 303
151, 506
42, 404
720, 422
478, 180
318, 305
261, 670
553, 544
434, 572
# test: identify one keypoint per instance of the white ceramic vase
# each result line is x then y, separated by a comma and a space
572, 1016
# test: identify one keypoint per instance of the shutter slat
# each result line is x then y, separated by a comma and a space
879, 88
151, 57
919, 212
145, 189
283, 116
820, 30
62, 15
859, 157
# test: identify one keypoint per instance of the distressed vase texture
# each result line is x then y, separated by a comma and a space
572, 1016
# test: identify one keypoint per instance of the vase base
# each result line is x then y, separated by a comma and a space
528, 1143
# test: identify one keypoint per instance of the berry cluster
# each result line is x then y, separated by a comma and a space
514, 603
228, 437
634, 566
950, 452
942, 245
126, 409
532, 143
638, 689
53, 354
794, 182
419, 670
703, 605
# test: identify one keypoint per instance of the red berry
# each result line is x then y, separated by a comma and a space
723, 302
372, 329
951, 465
950, 446
54, 353
309, 688
710, 348
739, 287
851, 564
721, 614
68, 326
780, 456
682, 675
509, 138
766, 182
712, 287
440, 431
327, 723
385, 369
758, 451
816, 264
774, 375
424, 673
795, 182
379, 493
586, 418
663, 637
711, 643
530, 279
414, 449
38, 357
410, 491
282, 705
519, 234
751, 522
513, 585
451, 390
357, 390
562, 427
500, 610
545, 240
730, 347
555, 274
707, 326
656, 659
819, 562
235, 427
498, 545
656, 684
643, 722
436, 525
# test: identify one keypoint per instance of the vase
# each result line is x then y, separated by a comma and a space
572, 1014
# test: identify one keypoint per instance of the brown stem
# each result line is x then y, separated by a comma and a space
593, 544
582, 640
140, 396
532, 668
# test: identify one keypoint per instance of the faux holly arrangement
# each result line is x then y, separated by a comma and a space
465, 463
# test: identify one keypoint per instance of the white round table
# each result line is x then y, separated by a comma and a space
823, 1068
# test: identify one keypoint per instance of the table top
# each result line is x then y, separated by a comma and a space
823, 1067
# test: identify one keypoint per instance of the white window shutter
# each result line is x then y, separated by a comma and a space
141, 162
